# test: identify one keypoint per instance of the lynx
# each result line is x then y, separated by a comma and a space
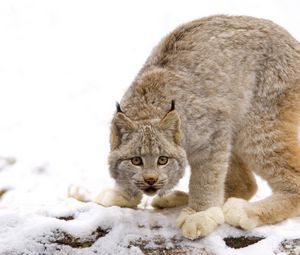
221, 94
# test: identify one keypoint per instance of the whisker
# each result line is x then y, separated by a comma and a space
138, 182
162, 182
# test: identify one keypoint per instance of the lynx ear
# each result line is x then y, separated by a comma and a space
170, 124
121, 125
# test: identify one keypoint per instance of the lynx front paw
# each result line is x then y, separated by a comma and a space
196, 224
173, 199
111, 197
235, 214
79, 193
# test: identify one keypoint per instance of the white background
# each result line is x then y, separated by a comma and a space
64, 64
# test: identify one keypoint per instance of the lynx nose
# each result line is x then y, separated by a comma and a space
151, 179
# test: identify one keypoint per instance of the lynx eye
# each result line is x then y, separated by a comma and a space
162, 160
137, 161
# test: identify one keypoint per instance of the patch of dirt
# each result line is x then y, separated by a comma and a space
242, 241
3, 191
66, 218
63, 238
155, 227
290, 247
161, 244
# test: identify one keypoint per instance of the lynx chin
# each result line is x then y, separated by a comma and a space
221, 94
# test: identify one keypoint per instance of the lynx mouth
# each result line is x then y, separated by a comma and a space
151, 191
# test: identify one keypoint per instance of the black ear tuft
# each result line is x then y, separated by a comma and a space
172, 105
119, 107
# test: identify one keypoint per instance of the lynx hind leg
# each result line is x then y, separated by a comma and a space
277, 207
116, 197
236, 214
172, 199
273, 151
240, 181
284, 203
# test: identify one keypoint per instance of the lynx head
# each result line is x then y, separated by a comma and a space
147, 156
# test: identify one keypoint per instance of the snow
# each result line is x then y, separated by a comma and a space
63, 64
29, 231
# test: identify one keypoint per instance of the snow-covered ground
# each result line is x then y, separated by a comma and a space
63, 65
